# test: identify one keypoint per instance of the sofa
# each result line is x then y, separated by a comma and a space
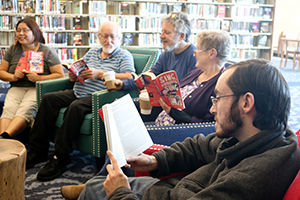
92, 133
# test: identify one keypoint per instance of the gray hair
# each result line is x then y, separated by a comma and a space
217, 39
181, 23
117, 25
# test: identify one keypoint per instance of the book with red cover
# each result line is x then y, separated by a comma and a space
31, 61
221, 11
165, 86
77, 67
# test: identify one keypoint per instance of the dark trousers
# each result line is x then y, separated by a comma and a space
47, 114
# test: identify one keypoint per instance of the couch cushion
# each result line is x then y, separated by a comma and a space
86, 127
140, 62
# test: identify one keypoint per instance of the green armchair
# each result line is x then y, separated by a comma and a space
92, 133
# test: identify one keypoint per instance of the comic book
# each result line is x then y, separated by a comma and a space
77, 67
165, 86
31, 61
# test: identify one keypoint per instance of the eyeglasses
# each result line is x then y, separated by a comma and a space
24, 30
106, 36
214, 100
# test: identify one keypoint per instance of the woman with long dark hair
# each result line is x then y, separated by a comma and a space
20, 103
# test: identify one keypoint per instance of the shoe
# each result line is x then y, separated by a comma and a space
71, 192
34, 158
53, 169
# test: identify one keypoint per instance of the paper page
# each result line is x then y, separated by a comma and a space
131, 129
112, 138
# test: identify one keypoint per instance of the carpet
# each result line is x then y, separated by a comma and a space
82, 168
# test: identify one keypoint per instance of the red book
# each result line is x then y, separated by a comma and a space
165, 86
221, 11
77, 67
31, 61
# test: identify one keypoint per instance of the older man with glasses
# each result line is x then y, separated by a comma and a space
109, 57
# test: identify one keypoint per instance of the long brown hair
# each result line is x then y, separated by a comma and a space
34, 27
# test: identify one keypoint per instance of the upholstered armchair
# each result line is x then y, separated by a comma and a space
92, 133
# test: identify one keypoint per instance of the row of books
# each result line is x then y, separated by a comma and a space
202, 24
51, 22
242, 54
249, 40
97, 7
248, 27
247, 12
127, 23
9, 6
206, 10
67, 55
94, 41
7, 39
150, 23
251, 1
30, 6
56, 39
149, 40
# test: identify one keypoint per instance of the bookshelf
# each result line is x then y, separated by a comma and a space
71, 26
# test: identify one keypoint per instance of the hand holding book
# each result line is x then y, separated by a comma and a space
31, 61
165, 86
76, 68
126, 133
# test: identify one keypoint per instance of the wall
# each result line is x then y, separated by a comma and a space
287, 18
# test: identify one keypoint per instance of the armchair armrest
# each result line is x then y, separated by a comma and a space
167, 135
99, 99
52, 85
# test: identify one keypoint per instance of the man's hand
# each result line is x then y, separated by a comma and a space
19, 74
164, 106
92, 73
33, 77
142, 162
115, 178
72, 76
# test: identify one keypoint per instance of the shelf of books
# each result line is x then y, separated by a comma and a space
71, 26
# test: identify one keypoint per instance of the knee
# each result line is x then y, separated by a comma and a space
47, 97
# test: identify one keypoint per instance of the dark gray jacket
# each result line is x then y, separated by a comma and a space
261, 167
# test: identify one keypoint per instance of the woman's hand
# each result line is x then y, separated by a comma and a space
164, 106
115, 178
33, 77
19, 74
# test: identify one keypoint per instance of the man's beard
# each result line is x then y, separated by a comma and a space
108, 49
171, 47
233, 124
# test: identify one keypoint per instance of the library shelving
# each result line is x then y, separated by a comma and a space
71, 26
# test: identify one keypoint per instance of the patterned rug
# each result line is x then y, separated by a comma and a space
82, 168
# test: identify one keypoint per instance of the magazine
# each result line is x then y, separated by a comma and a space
77, 67
31, 61
165, 86
126, 134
